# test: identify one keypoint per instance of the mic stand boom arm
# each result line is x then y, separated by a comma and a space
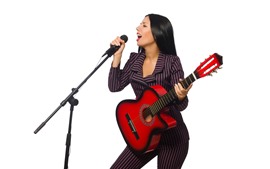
73, 102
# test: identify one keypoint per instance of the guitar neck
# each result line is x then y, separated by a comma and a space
170, 96
208, 66
189, 80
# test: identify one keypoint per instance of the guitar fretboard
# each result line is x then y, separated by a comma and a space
170, 96
188, 80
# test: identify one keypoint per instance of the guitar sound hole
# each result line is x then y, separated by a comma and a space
147, 115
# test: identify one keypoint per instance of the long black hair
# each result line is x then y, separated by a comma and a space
162, 31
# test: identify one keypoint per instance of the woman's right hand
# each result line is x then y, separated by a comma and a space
118, 54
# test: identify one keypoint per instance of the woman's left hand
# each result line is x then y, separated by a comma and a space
180, 91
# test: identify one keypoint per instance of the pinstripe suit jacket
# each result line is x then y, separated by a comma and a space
167, 72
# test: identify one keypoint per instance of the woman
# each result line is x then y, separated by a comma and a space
156, 63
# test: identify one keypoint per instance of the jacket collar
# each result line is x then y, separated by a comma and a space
137, 67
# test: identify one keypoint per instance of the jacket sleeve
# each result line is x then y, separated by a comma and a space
177, 73
119, 78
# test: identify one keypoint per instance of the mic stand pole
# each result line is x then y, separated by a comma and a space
73, 102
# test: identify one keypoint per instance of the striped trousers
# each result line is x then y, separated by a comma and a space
168, 157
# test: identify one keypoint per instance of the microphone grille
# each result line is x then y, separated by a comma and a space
124, 37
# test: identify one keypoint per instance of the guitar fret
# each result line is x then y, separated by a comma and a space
160, 103
172, 94
151, 109
192, 78
152, 112
156, 107
187, 81
183, 84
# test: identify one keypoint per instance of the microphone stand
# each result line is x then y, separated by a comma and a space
73, 102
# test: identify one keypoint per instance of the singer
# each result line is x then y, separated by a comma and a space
155, 63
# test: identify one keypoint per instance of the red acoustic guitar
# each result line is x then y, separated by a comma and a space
143, 120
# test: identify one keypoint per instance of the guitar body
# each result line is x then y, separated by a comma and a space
140, 129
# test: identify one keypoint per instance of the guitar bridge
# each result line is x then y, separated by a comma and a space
132, 127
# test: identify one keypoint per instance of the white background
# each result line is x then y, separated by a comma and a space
49, 47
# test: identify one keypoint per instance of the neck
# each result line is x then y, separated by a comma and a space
151, 54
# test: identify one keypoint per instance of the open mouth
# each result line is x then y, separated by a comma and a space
139, 37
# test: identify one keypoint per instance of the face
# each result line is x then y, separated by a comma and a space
144, 33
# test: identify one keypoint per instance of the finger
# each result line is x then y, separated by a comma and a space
179, 92
189, 87
180, 86
114, 42
176, 88
121, 41
182, 90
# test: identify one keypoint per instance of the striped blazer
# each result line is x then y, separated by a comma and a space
168, 71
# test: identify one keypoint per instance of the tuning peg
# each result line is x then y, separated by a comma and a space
210, 74
214, 71
220, 67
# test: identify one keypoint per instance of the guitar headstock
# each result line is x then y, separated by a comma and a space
209, 65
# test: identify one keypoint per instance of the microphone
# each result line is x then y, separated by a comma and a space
114, 48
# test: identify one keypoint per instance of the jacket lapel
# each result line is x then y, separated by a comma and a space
137, 68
